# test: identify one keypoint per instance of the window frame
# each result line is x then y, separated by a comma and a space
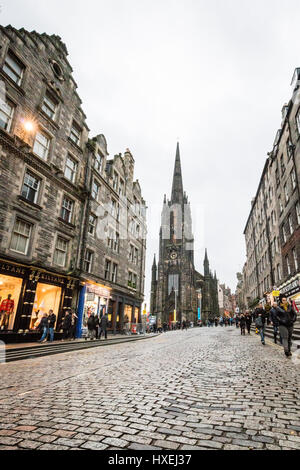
48, 138
37, 189
59, 250
20, 220
11, 71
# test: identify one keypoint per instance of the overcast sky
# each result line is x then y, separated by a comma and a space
213, 74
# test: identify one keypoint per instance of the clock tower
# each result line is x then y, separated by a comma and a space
173, 287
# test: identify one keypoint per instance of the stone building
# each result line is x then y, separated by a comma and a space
48, 190
272, 232
176, 287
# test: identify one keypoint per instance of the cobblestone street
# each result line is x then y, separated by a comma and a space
207, 388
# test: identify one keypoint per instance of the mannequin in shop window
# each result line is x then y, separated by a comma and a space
6, 309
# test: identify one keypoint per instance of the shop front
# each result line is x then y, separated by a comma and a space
100, 299
291, 290
26, 294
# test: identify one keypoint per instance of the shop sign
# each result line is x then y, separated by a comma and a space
291, 288
98, 290
276, 293
10, 268
51, 278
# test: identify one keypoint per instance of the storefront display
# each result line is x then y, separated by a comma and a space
47, 297
96, 301
10, 290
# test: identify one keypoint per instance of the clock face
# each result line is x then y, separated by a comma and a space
173, 255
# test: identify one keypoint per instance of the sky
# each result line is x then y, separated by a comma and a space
211, 74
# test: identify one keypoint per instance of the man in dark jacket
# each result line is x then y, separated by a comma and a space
286, 317
52, 320
91, 324
274, 321
103, 326
242, 324
248, 318
67, 325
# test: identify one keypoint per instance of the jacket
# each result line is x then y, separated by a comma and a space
104, 322
248, 319
91, 323
242, 322
52, 319
263, 314
273, 316
286, 317
44, 323
67, 322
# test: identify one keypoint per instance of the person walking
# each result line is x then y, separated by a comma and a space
243, 324
52, 320
91, 324
103, 326
73, 326
43, 328
248, 319
260, 322
274, 321
67, 325
286, 317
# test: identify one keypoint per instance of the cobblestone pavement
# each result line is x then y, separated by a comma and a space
207, 388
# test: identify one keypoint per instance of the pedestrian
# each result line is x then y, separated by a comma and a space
260, 322
237, 319
216, 321
248, 318
52, 320
73, 326
91, 325
43, 328
286, 317
97, 322
67, 325
243, 324
103, 326
275, 323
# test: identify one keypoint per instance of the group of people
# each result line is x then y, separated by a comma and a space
281, 315
96, 326
47, 324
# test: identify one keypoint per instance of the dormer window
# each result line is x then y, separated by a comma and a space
98, 162
13, 68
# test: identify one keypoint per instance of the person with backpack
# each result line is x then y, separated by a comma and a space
260, 322
286, 317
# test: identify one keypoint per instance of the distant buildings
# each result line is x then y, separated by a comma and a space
272, 231
73, 227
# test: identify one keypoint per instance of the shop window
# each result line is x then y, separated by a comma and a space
9, 287
21, 237
30, 187
128, 311
47, 297
61, 251
6, 114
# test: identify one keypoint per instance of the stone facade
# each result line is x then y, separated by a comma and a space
273, 228
49, 176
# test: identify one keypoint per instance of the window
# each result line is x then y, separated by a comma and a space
116, 242
295, 259
277, 177
121, 188
21, 236
60, 253
6, 115
173, 283
98, 162
289, 148
298, 212
136, 256
298, 121
75, 134
132, 278
41, 145
95, 190
30, 187
288, 265
49, 106
280, 204
137, 231
70, 169
13, 68
87, 262
286, 193
114, 273
278, 272
290, 224
67, 209
107, 270
282, 165
115, 181
293, 178
283, 234
92, 224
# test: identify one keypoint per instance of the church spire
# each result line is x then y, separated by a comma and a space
177, 186
206, 264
